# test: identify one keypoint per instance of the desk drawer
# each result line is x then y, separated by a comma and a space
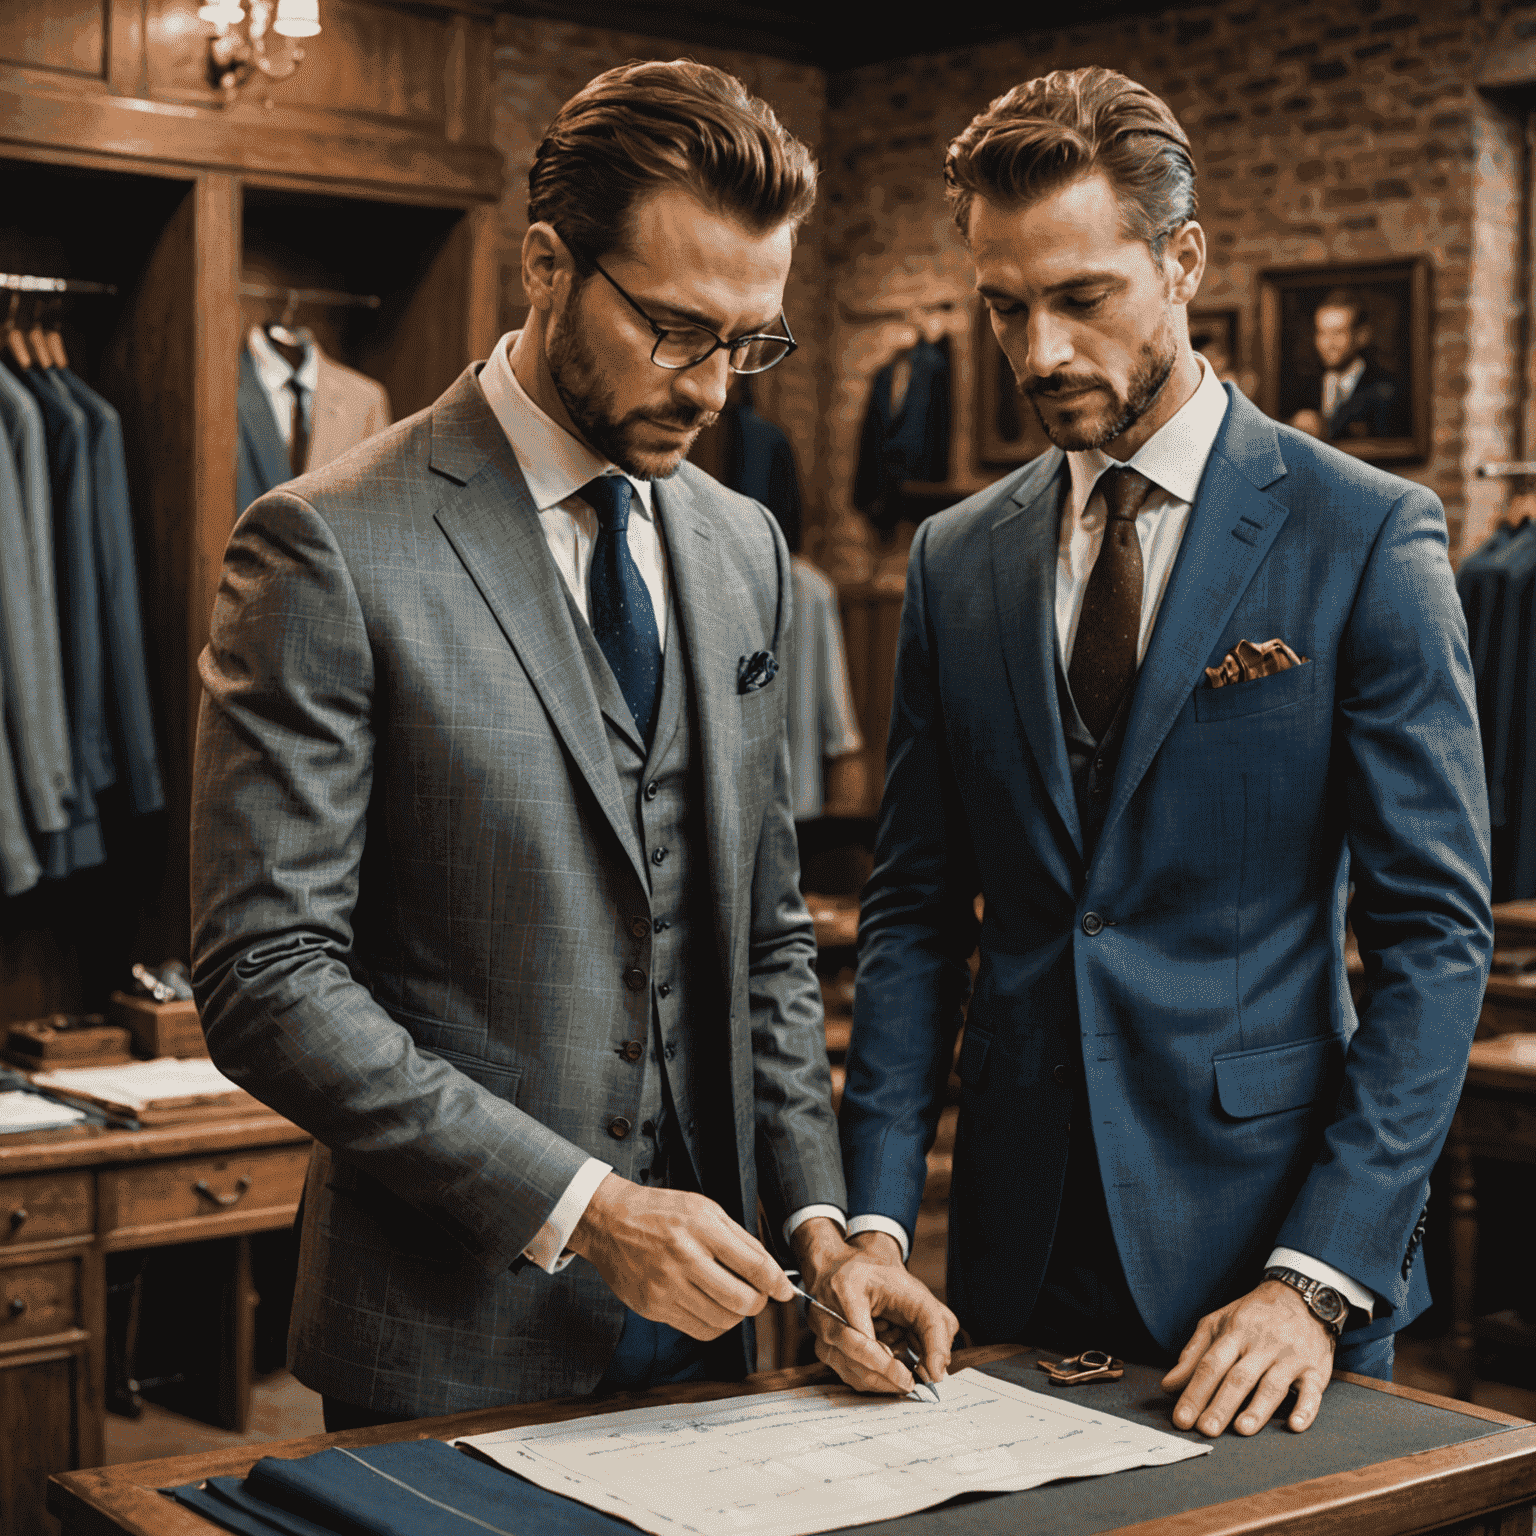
207, 1192
39, 1299
38, 1207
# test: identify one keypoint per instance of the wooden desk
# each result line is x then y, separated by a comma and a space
67, 1199
1480, 1487
1495, 1119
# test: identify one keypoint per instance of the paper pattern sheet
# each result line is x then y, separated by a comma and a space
816, 1458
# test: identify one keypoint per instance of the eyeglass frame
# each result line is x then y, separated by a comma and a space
662, 332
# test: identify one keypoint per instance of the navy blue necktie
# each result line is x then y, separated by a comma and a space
619, 603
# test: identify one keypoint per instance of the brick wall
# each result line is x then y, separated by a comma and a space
1323, 132
540, 65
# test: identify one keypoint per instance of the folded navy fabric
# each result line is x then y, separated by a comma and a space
412, 1488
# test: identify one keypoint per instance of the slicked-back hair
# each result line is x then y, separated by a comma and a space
644, 127
1346, 298
1049, 132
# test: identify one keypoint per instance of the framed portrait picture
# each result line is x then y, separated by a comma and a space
1008, 432
1346, 355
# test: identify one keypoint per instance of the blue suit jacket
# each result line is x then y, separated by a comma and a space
1196, 967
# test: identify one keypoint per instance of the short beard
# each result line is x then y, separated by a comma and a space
575, 374
1153, 371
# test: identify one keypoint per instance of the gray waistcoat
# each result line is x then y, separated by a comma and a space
683, 1134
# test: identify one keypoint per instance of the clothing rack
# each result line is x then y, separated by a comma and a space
329, 297
1506, 470
18, 282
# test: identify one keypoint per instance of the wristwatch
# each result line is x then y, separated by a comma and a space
1325, 1303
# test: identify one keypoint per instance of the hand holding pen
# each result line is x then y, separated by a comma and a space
908, 1356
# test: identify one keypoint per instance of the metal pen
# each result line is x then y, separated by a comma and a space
914, 1364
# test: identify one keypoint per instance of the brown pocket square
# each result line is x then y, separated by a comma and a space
1246, 661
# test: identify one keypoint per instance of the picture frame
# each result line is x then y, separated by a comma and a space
1372, 319
1008, 432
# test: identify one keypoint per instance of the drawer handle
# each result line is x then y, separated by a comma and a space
19, 1218
17, 1306
205, 1189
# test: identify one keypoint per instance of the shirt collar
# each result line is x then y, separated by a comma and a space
1173, 458
272, 367
554, 463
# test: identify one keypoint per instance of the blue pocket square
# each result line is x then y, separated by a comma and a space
756, 671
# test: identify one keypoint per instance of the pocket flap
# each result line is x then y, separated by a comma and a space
1264, 1082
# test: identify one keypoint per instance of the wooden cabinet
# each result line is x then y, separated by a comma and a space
83, 1195
372, 170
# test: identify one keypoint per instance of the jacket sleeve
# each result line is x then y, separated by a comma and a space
1410, 758
796, 1134
281, 786
917, 930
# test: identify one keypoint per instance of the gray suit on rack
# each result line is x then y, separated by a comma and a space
427, 901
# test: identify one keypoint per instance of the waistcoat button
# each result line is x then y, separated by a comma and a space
631, 1050
640, 927
652, 790
665, 989
634, 978
618, 1127
658, 855
1062, 1073
1093, 924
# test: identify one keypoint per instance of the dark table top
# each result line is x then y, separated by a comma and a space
1380, 1460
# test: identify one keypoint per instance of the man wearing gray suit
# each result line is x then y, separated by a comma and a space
494, 871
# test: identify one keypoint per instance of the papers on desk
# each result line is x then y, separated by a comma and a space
156, 1092
816, 1458
22, 1111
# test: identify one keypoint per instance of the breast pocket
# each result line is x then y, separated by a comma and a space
1260, 696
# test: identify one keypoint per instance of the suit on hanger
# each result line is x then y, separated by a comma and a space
427, 913
1183, 980
349, 409
905, 442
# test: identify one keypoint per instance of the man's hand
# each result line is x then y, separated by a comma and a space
866, 1282
677, 1258
1267, 1340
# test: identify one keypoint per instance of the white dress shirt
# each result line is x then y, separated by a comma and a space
1173, 459
555, 466
273, 372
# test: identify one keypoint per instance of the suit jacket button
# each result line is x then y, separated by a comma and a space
652, 790
658, 855
1093, 924
640, 927
1062, 1073
618, 1127
631, 1050
665, 989
634, 978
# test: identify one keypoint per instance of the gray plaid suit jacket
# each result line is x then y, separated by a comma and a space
416, 891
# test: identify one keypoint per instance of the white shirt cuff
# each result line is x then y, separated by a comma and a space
804, 1214
882, 1224
547, 1250
1314, 1269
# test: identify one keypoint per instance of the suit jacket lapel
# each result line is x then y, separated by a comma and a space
259, 427
709, 638
490, 520
1231, 527
1024, 551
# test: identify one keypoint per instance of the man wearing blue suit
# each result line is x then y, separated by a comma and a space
1162, 696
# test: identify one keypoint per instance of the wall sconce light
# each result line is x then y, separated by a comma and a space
237, 52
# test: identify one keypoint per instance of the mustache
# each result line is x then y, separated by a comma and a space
684, 418
1061, 384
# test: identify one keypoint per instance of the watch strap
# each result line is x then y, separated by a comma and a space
1307, 1288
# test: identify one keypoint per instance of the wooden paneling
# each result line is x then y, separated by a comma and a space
66, 36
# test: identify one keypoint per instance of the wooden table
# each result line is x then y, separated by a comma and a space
1480, 1487
70, 1197
1496, 1119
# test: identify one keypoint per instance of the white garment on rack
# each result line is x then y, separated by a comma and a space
821, 720
274, 371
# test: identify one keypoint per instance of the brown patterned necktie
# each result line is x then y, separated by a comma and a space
1104, 653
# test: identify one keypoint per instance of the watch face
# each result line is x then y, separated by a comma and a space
1328, 1304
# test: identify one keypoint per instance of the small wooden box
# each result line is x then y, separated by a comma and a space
159, 1029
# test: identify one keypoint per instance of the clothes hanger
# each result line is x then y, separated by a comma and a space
37, 338
292, 345
14, 340
54, 337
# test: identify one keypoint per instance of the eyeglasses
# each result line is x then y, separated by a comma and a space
689, 346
